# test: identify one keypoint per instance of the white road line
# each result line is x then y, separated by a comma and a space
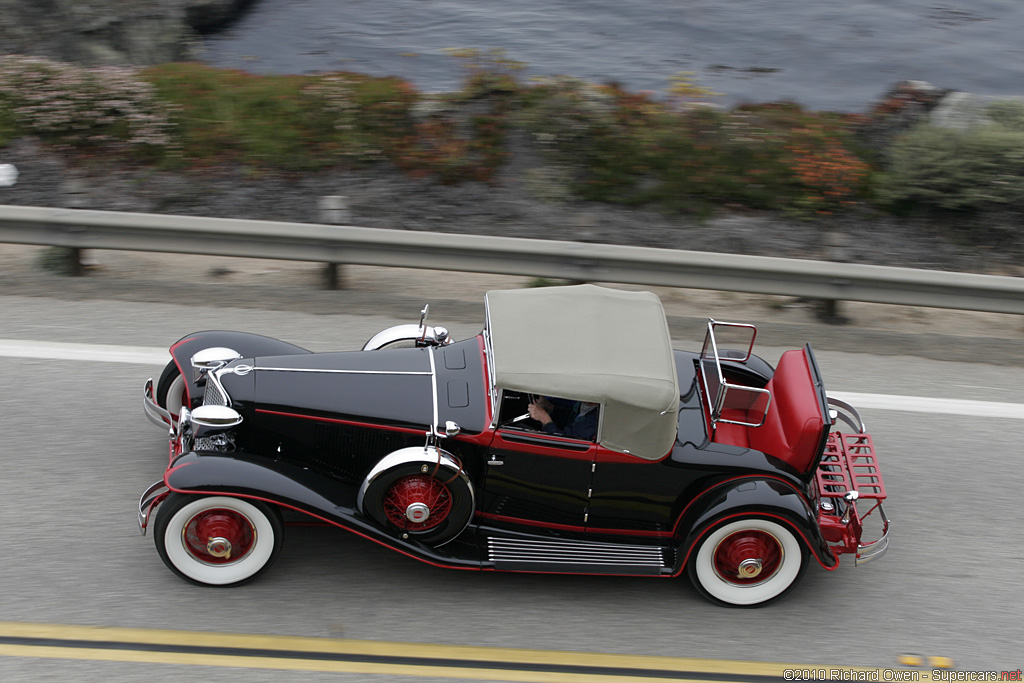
107, 353
923, 404
144, 355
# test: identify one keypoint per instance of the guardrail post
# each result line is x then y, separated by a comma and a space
334, 211
585, 224
75, 198
835, 250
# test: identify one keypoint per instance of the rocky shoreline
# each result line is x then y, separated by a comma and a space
112, 32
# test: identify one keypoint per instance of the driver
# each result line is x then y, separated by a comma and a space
583, 424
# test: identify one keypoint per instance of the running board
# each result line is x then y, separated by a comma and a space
576, 557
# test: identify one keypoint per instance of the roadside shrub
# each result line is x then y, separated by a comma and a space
8, 126
224, 115
961, 170
629, 148
601, 142
80, 107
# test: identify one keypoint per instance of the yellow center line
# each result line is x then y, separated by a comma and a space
96, 643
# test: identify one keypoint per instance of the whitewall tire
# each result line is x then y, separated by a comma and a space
747, 563
217, 540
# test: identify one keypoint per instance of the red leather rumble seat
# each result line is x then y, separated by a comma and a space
792, 428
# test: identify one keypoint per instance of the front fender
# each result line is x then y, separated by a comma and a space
269, 480
758, 497
249, 345
248, 476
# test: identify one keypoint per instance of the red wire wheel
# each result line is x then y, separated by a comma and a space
417, 503
219, 536
217, 540
748, 557
747, 562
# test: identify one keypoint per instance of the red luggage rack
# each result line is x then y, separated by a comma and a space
849, 470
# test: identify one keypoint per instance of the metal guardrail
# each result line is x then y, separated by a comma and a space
330, 244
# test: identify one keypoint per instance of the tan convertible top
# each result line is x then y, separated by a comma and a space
591, 343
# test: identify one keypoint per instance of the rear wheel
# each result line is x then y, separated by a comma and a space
217, 540
747, 563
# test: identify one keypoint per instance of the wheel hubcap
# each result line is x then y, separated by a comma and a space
750, 568
219, 536
417, 512
748, 557
219, 547
417, 503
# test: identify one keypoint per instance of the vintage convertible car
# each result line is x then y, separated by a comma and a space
650, 462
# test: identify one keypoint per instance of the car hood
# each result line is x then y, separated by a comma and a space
393, 387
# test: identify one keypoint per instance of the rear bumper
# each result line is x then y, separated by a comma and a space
847, 477
868, 552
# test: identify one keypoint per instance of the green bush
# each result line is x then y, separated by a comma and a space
223, 115
962, 170
630, 149
8, 125
602, 142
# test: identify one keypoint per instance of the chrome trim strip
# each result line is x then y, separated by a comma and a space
574, 552
149, 496
348, 372
433, 386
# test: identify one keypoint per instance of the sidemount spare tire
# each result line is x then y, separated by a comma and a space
421, 492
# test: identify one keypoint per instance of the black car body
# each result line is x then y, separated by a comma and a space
709, 462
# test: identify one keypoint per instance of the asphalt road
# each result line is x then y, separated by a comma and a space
76, 452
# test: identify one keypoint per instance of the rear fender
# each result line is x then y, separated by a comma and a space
758, 497
248, 345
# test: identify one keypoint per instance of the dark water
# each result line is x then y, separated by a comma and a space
826, 54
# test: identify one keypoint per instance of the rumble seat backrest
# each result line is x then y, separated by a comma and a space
793, 426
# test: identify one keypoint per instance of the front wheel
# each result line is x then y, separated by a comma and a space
217, 540
747, 563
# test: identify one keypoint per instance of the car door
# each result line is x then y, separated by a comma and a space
538, 480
